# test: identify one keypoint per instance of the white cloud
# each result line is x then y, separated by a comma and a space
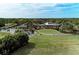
39, 1
22, 9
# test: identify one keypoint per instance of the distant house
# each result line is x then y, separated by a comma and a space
47, 25
8, 30
12, 28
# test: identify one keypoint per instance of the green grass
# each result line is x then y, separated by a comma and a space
49, 31
3, 34
50, 45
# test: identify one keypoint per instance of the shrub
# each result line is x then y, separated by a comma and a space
11, 42
66, 27
22, 38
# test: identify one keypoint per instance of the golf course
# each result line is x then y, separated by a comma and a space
50, 42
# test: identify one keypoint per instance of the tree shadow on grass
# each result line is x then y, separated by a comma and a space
25, 50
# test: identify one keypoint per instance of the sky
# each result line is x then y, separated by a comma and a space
39, 10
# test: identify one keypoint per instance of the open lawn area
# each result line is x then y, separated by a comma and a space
40, 44
49, 31
3, 34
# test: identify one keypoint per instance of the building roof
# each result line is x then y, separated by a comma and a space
53, 24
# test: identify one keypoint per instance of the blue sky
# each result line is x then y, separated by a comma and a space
39, 10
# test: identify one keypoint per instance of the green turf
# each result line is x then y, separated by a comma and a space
3, 34
49, 31
50, 45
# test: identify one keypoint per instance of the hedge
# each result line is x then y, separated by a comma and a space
12, 42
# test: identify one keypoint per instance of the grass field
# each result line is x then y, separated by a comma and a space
3, 34
49, 31
50, 44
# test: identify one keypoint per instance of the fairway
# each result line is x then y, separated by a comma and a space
41, 44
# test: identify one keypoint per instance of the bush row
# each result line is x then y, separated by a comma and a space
69, 28
11, 42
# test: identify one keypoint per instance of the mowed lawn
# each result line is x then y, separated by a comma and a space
3, 34
49, 31
50, 44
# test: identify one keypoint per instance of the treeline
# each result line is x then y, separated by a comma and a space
38, 20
